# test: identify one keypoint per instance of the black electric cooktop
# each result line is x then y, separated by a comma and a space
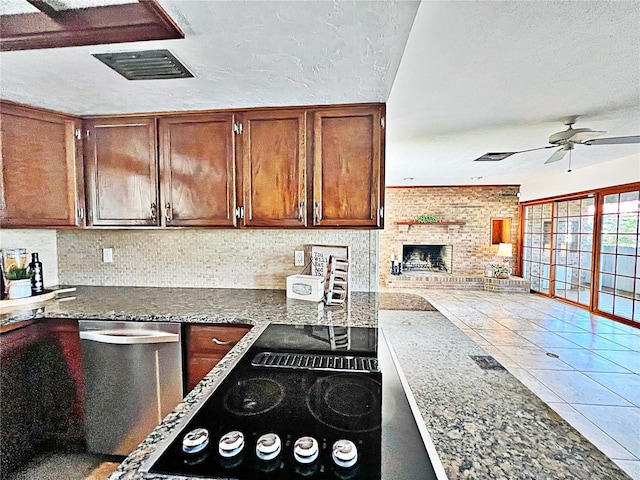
303, 402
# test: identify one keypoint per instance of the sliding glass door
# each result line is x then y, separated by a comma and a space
619, 275
573, 250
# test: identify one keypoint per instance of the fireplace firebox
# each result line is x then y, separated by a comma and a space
427, 258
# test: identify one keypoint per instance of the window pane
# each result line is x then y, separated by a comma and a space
536, 211
622, 307
586, 242
587, 224
629, 201
605, 302
573, 208
610, 223
608, 242
546, 210
607, 263
584, 296
545, 257
544, 285
559, 288
624, 287
628, 223
526, 253
585, 278
561, 227
585, 260
636, 311
561, 209
535, 284
626, 265
606, 282
627, 244
587, 207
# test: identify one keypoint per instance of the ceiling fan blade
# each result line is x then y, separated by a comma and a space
583, 135
613, 140
497, 156
557, 156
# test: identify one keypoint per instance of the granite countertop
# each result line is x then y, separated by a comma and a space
484, 423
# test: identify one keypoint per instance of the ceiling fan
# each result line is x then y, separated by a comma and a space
565, 140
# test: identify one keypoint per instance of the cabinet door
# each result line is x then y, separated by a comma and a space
205, 347
274, 164
122, 171
41, 184
197, 170
348, 174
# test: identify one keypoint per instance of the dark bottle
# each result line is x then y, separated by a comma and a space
37, 281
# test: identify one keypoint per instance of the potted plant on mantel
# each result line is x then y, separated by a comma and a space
501, 270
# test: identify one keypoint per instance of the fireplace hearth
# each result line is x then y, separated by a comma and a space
427, 258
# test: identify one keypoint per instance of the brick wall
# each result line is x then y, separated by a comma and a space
205, 258
475, 206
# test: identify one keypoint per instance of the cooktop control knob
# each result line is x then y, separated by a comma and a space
195, 441
305, 450
231, 444
344, 453
268, 446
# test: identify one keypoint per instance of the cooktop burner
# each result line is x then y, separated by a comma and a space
349, 403
253, 396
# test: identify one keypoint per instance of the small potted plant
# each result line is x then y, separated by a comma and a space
18, 282
501, 270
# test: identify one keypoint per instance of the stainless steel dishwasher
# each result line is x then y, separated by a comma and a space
133, 379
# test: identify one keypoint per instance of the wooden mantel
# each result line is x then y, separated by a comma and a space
410, 222
404, 226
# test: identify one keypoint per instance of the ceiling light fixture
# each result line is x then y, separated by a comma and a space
409, 178
476, 178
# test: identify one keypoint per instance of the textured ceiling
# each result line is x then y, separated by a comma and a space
475, 76
243, 54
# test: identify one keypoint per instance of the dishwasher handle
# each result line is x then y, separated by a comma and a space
129, 337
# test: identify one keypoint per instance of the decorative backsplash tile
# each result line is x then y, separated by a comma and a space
205, 258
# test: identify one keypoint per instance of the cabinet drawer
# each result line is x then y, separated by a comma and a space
214, 339
197, 367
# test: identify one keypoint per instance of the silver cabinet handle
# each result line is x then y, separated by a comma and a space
168, 213
222, 342
316, 212
154, 212
80, 213
301, 211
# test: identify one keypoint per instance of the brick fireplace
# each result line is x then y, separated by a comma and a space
463, 228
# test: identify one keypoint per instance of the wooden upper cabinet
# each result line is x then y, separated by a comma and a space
274, 168
197, 172
122, 171
42, 183
348, 173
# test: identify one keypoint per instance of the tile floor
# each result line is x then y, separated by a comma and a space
585, 367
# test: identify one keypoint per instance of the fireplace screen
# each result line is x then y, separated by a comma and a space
427, 258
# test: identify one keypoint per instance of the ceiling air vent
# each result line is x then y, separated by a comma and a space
145, 65
494, 157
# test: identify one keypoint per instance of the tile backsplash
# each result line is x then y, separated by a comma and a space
205, 258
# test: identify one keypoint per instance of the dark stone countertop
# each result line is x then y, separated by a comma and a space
513, 434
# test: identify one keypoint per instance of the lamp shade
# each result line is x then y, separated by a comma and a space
505, 250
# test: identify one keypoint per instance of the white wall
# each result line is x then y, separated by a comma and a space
42, 241
607, 174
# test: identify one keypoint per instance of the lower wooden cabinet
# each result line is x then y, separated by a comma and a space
41, 391
204, 347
